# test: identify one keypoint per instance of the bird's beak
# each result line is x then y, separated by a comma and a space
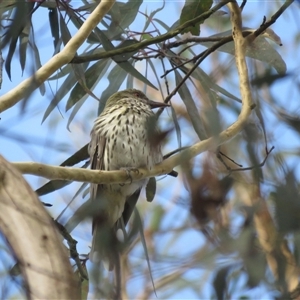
154, 104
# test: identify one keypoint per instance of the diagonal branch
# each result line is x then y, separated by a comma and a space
65, 56
151, 41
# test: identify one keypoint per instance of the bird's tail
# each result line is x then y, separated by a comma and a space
104, 246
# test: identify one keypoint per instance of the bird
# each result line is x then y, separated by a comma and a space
121, 138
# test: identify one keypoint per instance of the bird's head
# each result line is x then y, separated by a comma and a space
133, 94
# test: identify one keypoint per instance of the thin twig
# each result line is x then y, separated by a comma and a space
253, 167
73, 249
243, 5
151, 41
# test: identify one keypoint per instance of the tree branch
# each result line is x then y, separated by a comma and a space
120, 176
65, 56
275, 247
151, 41
34, 239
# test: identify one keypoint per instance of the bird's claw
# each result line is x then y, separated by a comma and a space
129, 170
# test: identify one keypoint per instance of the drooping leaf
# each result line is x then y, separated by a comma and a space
143, 240
287, 205
122, 15
292, 120
151, 189
268, 78
220, 282
127, 66
85, 210
154, 70
92, 38
83, 185
200, 75
62, 72
191, 10
191, 107
53, 185
92, 76
125, 56
259, 49
151, 16
23, 40
20, 18
116, 77
122, 61
61, 92
78, 68
37, 61
177, 127
75, 110
54, 26
64, 30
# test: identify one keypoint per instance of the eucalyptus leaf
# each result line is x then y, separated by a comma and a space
122, 15
61, 92
143, 240
21, 18
23, 40
151, 189
54, 26
92, 75
191, 10
116, 77
191, 107
259, 49
122, 61
152, 14
220, 282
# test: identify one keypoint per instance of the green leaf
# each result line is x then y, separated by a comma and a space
143, 240
191, 108
116, 77
37, 61
191, 10
62, 72
122, 61
54, 26
177, 127
23, 40
75, 110
122, 15
200, 75
21, 17
259, 49
92, 38
127, 66
64, 30
61, 92
53, 185
220, 282
287, 204
151, 16
151, 189
92, 76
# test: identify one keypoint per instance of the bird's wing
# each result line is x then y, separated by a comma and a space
96, 151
